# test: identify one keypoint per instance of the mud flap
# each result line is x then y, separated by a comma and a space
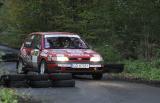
113, 68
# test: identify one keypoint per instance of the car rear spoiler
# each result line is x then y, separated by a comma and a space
113, 68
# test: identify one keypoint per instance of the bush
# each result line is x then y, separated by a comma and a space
13, 40
108, 53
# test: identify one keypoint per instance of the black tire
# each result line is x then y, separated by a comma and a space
35, 77
17, 84
97, 76
32, 73
45, 67
22, 68
64, 83
14, 77
60, 76
40, 84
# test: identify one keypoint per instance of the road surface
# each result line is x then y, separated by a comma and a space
92, 91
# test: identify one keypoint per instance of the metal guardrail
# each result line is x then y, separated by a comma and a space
113, 68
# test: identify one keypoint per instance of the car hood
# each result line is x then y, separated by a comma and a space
72, 52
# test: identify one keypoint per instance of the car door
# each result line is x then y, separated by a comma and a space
36, 50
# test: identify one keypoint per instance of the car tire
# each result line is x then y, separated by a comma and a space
17, 84
60, 76
35, 77
40, 84
97, 76
20, 67
32, 73
43, 67
15, 77
64, 83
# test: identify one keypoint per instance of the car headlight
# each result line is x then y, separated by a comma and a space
62, 58
96, 58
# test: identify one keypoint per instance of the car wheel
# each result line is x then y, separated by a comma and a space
43, 67
20, 67
97, 76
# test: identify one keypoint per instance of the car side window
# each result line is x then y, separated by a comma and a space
37, 42
29, 41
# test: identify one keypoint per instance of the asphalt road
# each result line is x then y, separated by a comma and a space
92, 91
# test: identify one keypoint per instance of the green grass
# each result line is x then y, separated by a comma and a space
142, 69
8, 96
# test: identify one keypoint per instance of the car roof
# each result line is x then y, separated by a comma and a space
53, 33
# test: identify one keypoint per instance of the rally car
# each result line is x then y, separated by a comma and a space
59, 52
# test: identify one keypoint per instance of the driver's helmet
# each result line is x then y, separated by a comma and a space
66, 43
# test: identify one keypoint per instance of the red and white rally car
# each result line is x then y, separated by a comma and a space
62, 52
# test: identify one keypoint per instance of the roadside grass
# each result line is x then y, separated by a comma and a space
8, 96
142, 69
147, 70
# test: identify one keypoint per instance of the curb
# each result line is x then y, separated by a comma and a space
155, 83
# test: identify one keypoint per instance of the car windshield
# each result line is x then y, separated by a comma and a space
64, 43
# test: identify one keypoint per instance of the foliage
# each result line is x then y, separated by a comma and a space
131, 28
8, 96
109, 54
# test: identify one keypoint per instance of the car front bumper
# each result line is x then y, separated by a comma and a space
75, 67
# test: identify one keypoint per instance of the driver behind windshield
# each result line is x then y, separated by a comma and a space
64, 43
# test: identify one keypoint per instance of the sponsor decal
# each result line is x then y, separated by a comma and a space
57, 35
49, 57
89, 51
75, 51
45, 51
60, 55
43, 54
35, 54
24, 52
64, 65
96, 65
78, 54
79, 58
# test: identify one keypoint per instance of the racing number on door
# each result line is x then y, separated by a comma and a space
35, 56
